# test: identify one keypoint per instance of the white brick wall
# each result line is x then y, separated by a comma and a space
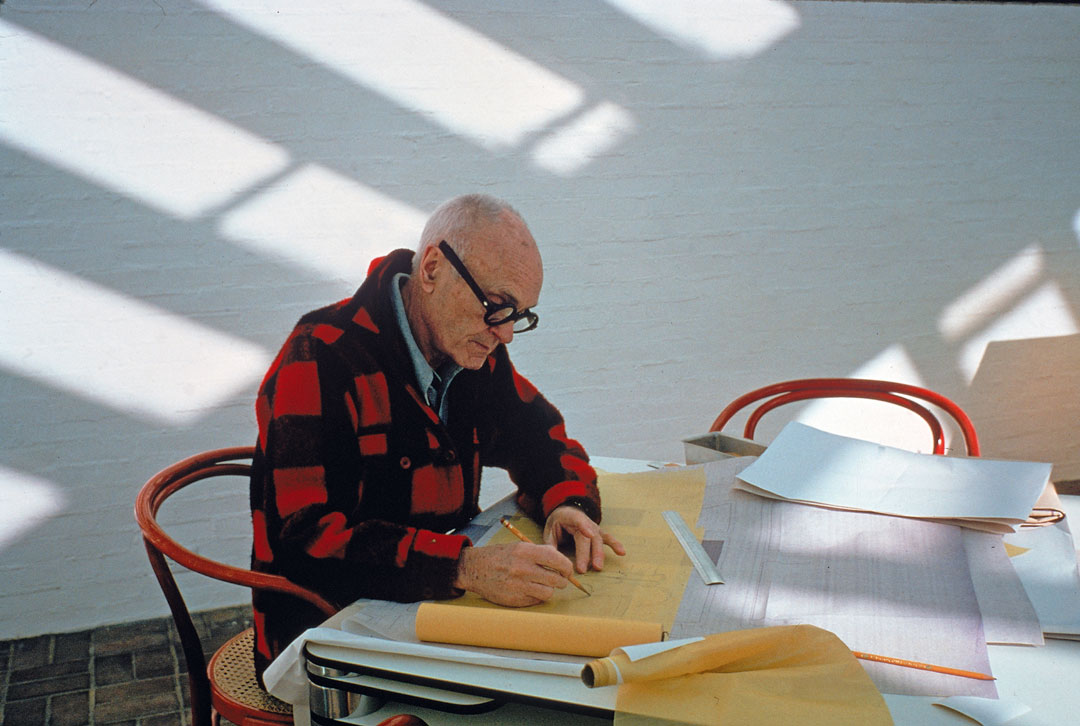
883, 189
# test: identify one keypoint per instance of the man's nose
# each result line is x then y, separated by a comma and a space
504, 332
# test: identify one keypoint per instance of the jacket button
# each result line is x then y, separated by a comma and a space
406, 462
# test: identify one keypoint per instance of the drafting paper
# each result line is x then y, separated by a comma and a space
807, 465
889, 585
1009, 618
644, 585
1045, 558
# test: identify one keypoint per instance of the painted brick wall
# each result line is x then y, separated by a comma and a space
881, 189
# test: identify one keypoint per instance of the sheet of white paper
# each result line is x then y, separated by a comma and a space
808, 465
1007, 613
646, 650
1045, 560
987, 711
888, 585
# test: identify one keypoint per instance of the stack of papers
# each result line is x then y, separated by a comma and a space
810, 466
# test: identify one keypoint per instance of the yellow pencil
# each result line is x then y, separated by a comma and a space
923, 666
517, 533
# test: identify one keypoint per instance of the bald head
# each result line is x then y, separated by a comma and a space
495, 245
480, 225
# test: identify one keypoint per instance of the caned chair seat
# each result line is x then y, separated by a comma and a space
237, 692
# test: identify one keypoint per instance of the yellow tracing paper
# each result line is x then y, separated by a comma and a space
792, 674
647, 584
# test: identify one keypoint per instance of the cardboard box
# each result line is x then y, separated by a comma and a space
715, 445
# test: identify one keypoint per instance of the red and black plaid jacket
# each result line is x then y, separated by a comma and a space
356, 480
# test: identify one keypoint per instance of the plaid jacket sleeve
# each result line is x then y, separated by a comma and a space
314, 523
527, 437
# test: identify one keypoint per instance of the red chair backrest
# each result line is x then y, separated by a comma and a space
159, 546
900, 394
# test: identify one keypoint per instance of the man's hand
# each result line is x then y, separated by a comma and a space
568, 523
515, 574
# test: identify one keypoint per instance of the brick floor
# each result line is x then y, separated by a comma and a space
124, 675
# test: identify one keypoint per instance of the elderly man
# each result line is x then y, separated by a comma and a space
379, 413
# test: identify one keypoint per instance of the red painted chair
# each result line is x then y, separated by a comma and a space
900, 394
227, 686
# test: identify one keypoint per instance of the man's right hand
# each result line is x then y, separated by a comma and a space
516, 574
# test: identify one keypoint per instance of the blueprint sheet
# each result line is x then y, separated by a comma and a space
887, 585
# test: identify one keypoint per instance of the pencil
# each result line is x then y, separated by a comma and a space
517, 533
923, 666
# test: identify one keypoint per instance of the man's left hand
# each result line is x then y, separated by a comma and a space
567, 523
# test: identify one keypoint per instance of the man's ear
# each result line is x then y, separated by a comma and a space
429, 268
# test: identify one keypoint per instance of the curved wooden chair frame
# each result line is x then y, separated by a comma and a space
209, 700
900, 394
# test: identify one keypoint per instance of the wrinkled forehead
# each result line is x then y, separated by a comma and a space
505, 261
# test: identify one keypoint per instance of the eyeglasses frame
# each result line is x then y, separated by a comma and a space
492, 312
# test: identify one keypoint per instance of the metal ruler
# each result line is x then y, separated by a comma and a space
693, 549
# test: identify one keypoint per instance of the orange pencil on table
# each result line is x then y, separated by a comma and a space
518, 533
922, 666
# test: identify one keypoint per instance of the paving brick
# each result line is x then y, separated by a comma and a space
134, 699
72, 646
112, 669
48, 686
156, 662
30, 712
139, 678
169, 719
31, 652
130, 637
50, 670
70, 709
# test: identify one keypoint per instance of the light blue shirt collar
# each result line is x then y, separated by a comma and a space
434, 384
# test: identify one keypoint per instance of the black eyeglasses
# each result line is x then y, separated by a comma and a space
523, 320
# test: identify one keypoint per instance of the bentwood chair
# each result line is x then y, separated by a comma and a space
900, 394
226, 687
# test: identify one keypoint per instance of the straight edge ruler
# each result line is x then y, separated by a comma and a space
693, 549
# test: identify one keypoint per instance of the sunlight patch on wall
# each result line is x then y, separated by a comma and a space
572, 147
320, 220
992, 295
102, 125
28, 501
728, 29
422, 60
115, 350
876, 421
1014, 302
1044, 313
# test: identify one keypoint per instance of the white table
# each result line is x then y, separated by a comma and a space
1046, 678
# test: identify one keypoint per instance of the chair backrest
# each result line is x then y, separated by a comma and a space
900, 394
159, 546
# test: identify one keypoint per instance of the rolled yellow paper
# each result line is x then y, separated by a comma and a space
757, 649
529, 630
